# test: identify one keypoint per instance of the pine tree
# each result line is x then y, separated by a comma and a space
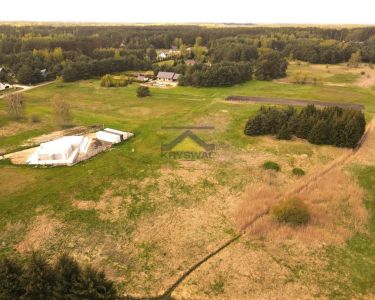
68, 275
10, 279
38, 279
94, 285
284, 133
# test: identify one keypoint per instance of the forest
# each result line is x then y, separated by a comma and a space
80, 52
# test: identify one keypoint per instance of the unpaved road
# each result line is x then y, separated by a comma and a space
294, 102
24, 88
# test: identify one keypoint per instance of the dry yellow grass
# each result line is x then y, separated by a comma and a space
109, 206
41, 230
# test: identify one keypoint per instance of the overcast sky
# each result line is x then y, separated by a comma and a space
204, 11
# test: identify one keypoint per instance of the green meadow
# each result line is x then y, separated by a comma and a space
119, 237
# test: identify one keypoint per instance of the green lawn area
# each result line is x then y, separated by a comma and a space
134, 170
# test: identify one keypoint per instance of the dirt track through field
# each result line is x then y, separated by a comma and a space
337, 163
294, 102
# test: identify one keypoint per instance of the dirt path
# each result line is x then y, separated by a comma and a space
24, 88
294, 102
337, 163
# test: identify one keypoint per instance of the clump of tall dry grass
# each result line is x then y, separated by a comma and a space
257, 201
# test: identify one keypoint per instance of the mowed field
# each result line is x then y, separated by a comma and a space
145, 219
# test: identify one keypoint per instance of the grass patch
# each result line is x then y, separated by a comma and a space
355, 259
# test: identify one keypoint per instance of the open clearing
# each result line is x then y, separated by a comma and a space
145, 220
334, 75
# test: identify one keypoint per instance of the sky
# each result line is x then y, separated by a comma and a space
192, 11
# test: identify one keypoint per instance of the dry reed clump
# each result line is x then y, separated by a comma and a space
366, 154
257, 201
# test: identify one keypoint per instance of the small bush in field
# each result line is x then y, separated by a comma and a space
292, 211
298, 172
270, 165
15, 105
35, 119
143, 91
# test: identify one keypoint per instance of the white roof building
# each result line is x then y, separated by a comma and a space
62, 151
113, 136
4, 86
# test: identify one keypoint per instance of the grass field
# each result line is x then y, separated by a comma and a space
145, 219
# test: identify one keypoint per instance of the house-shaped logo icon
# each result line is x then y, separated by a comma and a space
187, 146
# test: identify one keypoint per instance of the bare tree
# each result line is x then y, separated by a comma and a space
61, 110
15, 104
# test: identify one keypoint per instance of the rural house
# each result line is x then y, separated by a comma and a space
168, 76
44, 73
163, 55
4, 86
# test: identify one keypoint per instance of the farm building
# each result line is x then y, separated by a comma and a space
62, 151
168, 76
113, 136
163, 55
69, 150
142, 78
44, 73
3, 70
4, 86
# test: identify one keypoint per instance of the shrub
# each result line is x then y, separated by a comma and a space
298, 172
15, 104
293, 212
112, 81
143, 91
35, 119
61, 110
270, 165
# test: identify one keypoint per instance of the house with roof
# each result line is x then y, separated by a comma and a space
4, 86
4, 70
168, 76
163, 55
44, 73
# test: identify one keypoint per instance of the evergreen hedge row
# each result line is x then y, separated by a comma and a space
328, 126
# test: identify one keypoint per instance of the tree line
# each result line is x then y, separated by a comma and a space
26, 50
328, 126
221, 74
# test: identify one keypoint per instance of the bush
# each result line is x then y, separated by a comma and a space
112, 81
143, 91
61, 110
270, 165
35, 119
298, 172
293, 212
15, 105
